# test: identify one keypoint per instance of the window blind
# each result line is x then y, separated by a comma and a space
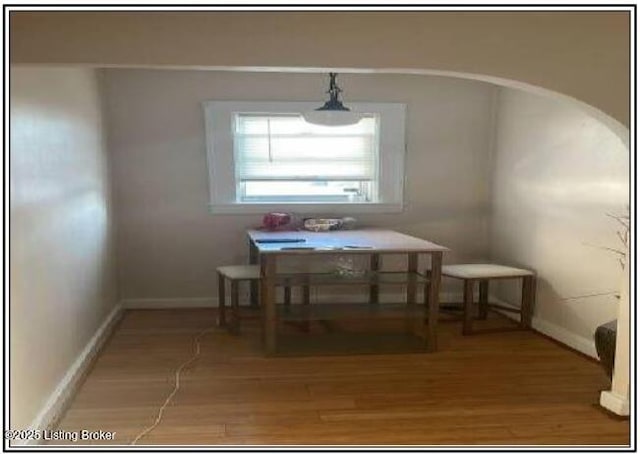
285, 147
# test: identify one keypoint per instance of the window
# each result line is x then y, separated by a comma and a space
282, 158
263, 156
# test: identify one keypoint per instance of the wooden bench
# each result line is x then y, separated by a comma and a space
483, 273
235, 274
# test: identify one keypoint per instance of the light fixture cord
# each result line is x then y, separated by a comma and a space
334, 90
176, 387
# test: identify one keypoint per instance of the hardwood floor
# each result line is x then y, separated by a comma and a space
499, 388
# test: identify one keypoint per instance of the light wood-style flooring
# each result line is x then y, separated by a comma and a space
498, 388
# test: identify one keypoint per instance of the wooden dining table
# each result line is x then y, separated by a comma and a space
267, 247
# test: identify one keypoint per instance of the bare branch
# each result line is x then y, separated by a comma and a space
590, 295
621, 219
605, 248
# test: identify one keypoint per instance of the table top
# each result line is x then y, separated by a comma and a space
363, 241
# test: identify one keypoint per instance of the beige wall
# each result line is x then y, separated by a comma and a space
581, 54
62, 280
170, 244
558, 173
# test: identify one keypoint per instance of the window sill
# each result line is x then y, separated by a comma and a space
307, 208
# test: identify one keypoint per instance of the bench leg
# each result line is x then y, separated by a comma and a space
483, 300
528, 296
222, 320
467, 324
254, 285
431, 331
235, 308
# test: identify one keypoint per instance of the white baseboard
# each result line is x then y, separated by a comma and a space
67, 387
579, 343
615, 403
557, 332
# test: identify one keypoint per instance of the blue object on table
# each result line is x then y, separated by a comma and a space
281, 240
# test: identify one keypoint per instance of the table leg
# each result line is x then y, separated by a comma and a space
434, 302
412, 269
427, 288
287, 297
306, 300
268, 302
253, 285
374, 289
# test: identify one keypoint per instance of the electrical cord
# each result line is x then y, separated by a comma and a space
176, 387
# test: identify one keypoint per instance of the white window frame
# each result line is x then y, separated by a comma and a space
220, 158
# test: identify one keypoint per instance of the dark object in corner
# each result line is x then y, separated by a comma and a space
606, 345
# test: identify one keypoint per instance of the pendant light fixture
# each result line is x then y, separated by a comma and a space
333, 113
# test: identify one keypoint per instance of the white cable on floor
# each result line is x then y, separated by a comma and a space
176, 387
